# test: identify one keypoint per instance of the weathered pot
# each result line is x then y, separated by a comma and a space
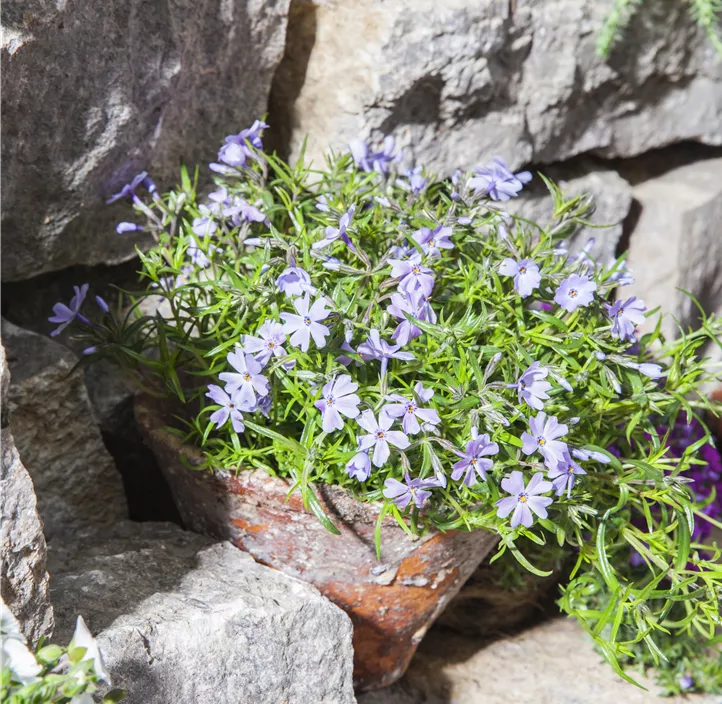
392, 603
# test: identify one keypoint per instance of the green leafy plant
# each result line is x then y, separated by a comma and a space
414, 342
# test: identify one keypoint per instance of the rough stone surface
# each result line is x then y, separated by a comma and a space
553, 663
182, 618
677, 243
75, 478
23, 578
612, 200
95, 92
460, 81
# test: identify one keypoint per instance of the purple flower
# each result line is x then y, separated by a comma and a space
268, 344
686, 682
379, 436
585, 455
240, 211
410, 411
338, 398
228, 409
497, 181
653, 371
294, 281
380, 161
376, 348
412, 274
246, 381
129, 188
205, 225
322, 204
524, 500
359, 466
197, 256
333, 233
432, 241
525, 272
563, 476
575, 291
543, 437
473, 460
122, 227
417, 305
625, 316
64, 315
416, 489
104, 307
531, 386
416, 179
306, 324
236, 151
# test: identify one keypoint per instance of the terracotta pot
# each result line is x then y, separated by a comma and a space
392, 603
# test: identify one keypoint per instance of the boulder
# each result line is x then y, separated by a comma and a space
57, 437
460, 81
182, 618
551, 663
93, 93
24, 578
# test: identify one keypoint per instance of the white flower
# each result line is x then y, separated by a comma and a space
15, 654
83, 638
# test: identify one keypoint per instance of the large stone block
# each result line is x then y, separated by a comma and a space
463, 80
182, 618
93, 92
57, 437
24, 579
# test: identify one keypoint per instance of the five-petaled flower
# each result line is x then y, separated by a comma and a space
525, 272
532, 387
474, 458
410, 411
376, 348
305, 325
432, 241
563, 476
575, 291
294, 281
64, 315
228, 409
359, 466
543, 437
498, 181
338, 399
268, 344
412, 274
243, 384
334, 233
625, 317
380, 436
402, 493
524, 499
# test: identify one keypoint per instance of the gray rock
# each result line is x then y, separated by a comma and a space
554, 663
461, 81
183, 619
24, 578
75, 479
95, 92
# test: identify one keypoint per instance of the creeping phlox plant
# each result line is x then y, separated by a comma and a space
414, 342
53, 673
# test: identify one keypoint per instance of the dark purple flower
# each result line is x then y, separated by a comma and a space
575, 291
411, 412
412, 274
380, 436
130, 188
543, 437
497, 181
269, 342
432, 241
359, 466
64, 315
122, 227
246, 381
625, 317
376, 348
525, 272
228, 409
473, 460
294, 281
334, 233
524, 500
379, 161
338, 399
532, 386
563, 476
305, 323
414, 489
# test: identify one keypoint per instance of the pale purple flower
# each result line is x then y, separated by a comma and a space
130, 188
220, 199
204, 226
411, 412
90, 350
524, 499
417, 305
653, 371
473, 460
333, 233
306, 323
564, 475
525, 272
359, 466
294, 281
686, 682
412, 274
346, 347
269, 342
380, 161
413, 489
532, 387
585, 455
543, 437
246, 381
228, 409
380, 436
416, 179
64, 315
432, 241
322, 204
338, 399
497, 181
122, 227
236, 151
104, 307
197, 256
625, 317
239, 211
376, 348
575, 291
